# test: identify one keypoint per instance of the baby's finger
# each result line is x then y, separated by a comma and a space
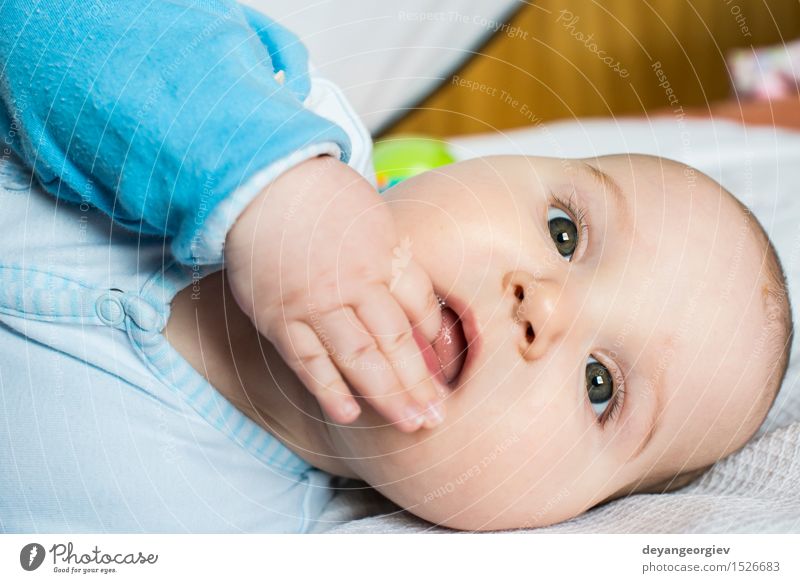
413, 289
365, 367
385, 320
308, 357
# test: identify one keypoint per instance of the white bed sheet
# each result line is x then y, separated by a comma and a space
754, 490
406, 49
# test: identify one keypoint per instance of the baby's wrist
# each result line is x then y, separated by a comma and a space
281, 199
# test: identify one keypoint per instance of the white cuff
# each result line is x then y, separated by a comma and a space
207, 247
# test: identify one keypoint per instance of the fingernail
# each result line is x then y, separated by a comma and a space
434, 414
350, 410
414, 418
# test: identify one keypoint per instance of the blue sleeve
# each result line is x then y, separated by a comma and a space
154, 112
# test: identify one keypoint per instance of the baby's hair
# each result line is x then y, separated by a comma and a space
779, 317
778, 309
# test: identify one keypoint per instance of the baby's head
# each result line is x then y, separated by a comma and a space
627, 325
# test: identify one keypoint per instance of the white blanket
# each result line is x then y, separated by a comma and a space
755, 489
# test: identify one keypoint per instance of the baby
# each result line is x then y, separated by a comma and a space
608, 325
611, 325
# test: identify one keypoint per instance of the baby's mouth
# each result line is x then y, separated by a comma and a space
445, 357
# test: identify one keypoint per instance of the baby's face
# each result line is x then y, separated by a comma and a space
613, 336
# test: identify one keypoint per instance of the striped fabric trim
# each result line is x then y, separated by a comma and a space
169, 366
35, 294
31, 293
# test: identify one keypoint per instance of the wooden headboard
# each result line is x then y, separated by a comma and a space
560, 59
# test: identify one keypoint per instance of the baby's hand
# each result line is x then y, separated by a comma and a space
316, 264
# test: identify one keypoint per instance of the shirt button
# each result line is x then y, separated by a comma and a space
109, 309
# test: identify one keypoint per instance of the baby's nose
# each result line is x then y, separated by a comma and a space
520, 286
520, 313
532, 308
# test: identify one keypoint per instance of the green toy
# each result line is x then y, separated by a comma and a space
399, 158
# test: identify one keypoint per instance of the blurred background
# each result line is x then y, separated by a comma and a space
446, 68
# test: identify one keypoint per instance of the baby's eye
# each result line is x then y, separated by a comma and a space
563, 231
599, 384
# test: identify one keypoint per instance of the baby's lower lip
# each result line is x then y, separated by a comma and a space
446, 355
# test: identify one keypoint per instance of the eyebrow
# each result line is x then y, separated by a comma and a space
612, 186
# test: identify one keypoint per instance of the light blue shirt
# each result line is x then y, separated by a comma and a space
104, 426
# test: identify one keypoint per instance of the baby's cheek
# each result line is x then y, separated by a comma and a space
495, 485
554, 472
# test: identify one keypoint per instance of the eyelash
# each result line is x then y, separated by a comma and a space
617, 401
577, 212
614, 408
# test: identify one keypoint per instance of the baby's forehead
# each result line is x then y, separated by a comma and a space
696, 258
685, 206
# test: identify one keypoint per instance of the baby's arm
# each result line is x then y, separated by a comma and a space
172, 117
156, 112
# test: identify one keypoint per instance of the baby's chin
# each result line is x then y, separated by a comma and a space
487, 512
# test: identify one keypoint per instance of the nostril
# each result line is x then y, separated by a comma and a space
529, 334
519, 292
